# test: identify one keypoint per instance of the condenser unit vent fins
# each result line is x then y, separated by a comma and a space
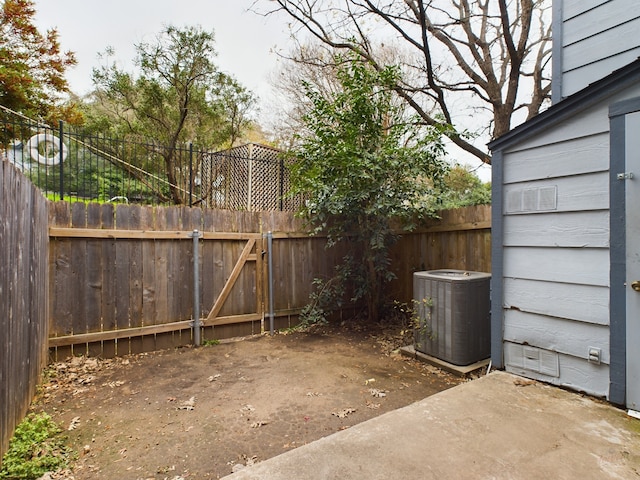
454, 311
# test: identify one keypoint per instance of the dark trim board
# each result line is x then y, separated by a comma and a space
556, 54
624, 107
497, 281
617, 250
595, 93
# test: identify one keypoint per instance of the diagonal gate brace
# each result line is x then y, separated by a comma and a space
235, 273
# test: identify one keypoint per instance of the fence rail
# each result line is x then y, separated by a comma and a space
106, 279
24, 281
122, 276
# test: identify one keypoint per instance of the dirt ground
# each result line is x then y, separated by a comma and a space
205, 412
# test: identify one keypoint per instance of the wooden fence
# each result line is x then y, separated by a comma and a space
460, 239
119, 279
122, 276
24, 272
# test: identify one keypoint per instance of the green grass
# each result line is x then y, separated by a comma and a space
37, 447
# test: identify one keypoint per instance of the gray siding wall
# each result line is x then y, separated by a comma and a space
597, 37
555, 252
556, 272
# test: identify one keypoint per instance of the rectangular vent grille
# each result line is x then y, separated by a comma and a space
525, 200
533, 359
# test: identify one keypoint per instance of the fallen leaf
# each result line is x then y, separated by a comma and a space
378, 393
188, 405
75, 421
117, 383
521, 382
250, 460
343, 413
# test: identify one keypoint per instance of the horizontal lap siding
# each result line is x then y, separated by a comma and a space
606, 44
575, 80
573, 8
556, 257
559, 265
569, 337
589, 229
574, 131
587, 154
594, 20
598, 37
586, 303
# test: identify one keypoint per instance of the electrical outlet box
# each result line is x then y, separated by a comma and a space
595, 355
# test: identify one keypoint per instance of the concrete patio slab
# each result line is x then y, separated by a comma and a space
500, 426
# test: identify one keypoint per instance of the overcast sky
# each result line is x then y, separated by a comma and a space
244, 39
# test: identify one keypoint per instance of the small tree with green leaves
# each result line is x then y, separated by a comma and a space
366, 169
178, 95
463, 188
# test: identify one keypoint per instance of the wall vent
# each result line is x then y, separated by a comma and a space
525, 200
524, 358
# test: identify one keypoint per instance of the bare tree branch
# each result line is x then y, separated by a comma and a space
476, 53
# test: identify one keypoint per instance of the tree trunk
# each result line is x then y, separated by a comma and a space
171, 177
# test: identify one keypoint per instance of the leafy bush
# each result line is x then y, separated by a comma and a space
366, 168
37, 447
463, 188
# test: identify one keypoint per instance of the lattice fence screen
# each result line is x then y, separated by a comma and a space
250, 177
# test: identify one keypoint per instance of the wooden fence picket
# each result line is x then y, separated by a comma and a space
124, 284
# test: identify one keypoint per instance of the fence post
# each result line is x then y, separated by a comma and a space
60, 147
270, 275
196, 288
190, 174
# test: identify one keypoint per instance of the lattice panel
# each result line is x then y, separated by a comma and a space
250, 177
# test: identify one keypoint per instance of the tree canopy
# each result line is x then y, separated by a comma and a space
363, 165
32, 64
463, 188
178, 95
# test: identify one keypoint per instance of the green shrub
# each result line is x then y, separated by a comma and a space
37, 447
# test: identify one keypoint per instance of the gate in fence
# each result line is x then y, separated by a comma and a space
122, 277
